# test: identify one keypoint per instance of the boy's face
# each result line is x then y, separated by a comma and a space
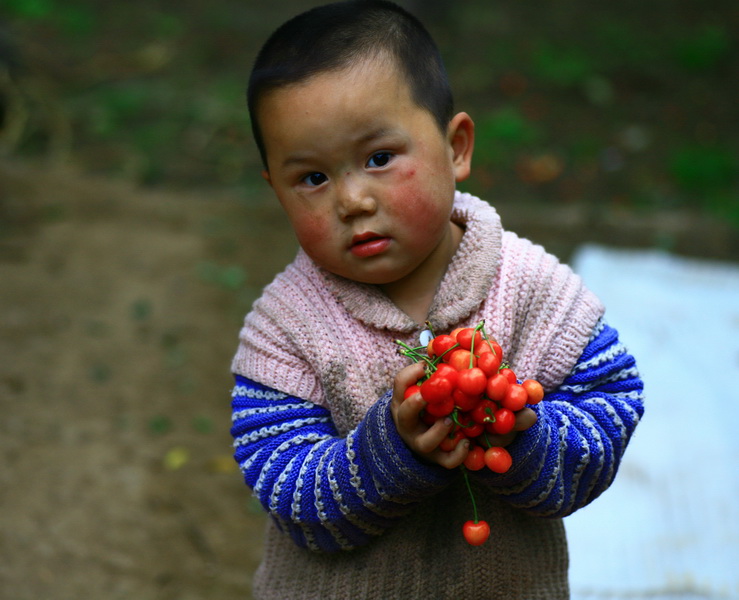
365, 176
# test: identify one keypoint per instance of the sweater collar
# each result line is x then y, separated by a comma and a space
465, 285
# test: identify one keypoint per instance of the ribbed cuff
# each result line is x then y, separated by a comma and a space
526, 451
398, 473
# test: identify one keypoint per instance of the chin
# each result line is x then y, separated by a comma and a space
373, 278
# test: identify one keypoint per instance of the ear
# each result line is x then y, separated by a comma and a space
461, 136
266, 177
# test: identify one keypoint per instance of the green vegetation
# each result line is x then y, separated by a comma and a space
625, 103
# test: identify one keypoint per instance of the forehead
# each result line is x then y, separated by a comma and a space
337, 111
373, 84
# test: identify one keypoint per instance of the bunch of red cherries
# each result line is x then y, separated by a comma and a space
467, 380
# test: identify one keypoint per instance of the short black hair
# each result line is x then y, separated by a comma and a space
336, 35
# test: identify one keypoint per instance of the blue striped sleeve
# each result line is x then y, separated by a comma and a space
572, 453
327, 492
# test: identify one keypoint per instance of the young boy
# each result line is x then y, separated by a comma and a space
353, 116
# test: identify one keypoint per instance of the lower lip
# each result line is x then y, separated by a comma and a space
371, 248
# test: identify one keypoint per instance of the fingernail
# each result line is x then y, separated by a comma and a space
448, 422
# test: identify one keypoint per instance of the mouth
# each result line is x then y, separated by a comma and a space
369, 244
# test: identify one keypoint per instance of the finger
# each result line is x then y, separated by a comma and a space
451, 460
501, 440
427, 441
405, 378
407, 413
525, 418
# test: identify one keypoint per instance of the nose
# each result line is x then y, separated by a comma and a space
355, 197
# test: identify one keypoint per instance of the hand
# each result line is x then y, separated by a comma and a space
525, 418
419, 437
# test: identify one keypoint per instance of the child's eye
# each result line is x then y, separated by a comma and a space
379, 159
315, 179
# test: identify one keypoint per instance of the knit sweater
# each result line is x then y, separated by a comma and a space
354, 512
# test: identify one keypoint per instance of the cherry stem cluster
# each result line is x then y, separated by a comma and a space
418, 354
480, 326
415, 354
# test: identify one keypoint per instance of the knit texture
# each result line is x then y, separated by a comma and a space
354, 513
329, 493
329, 340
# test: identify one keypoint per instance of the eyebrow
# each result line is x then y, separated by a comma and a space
299, 158
295, 159
376, 134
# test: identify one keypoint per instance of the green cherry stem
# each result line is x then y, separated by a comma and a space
479, 327
447, 351
469, 489
414, 354
486, 338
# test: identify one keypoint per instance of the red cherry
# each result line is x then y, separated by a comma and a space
475, 459
472, 381
465, 402
515, 398
484, 412
466, 337
535, 391
442, 343
436, 389
476, 532
450, 442
498, 459
410, 390
460, 359
497, 387
489, 363
509, 374
504, 422
445, 370
441, 409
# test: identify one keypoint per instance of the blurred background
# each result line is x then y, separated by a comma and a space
135, 232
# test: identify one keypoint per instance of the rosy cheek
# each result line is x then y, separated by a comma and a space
412, 203
311, 231
407, 194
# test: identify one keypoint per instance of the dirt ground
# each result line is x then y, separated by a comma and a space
119, 318
119, 314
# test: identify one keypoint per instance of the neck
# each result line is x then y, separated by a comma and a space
414, 294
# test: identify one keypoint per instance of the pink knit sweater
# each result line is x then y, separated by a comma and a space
329, 340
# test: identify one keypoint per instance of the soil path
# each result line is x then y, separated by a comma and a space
120, 311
